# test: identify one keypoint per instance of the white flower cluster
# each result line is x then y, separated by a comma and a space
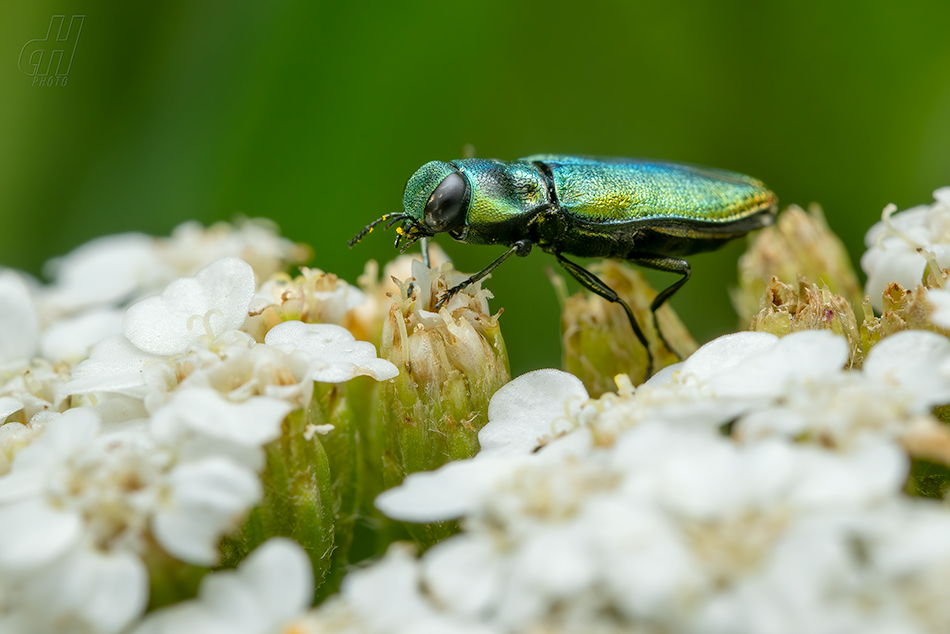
152, 446
755, 487
899, 245
114, 270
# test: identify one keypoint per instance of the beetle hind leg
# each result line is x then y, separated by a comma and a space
667, 265
597, 286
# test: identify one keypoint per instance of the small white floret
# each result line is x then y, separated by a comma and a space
335, 355
215, 300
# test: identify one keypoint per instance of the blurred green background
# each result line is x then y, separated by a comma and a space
314, 114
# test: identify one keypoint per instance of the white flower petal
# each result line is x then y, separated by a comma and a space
185, 617
911, 360
335, 353
120, 409
665, 375
387, 594
175, 320
104, 590
108, 270
663, 463
72, 339
892, 254
63, 436
19, 324
114, 365
253, 422
557, 561
230, 597
524, 411
726, 352
645, 562
912, 541
206, 499
33, 534
874, 472
9, 405
200, 447
16, 486
446, 493
281, 577
941, 303
465, 572
277, 577
898, 265
811, 354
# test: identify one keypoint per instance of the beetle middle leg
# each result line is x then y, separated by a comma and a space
667, 265
521, 248
597, 286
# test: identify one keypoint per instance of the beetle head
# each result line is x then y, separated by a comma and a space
437, 198
436, 201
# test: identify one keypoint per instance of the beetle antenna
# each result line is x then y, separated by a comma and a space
391, 218
396, 218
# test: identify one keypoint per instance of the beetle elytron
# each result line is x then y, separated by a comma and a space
647, 212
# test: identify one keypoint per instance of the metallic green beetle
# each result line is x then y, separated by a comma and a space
647, 212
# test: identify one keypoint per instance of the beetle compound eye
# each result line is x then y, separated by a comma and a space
445, 209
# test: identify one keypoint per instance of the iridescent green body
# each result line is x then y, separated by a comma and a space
648, 212
595, 207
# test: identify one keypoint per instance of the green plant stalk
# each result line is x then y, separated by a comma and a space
298, 499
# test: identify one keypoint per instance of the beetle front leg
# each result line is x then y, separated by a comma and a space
521, 248
597, 286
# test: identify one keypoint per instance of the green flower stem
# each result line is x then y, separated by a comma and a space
298, 499
331, 405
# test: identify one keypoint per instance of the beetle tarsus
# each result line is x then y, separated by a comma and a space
447, 295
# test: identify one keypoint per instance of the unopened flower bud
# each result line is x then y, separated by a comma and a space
799, 245
368, 317
786, 309
450, 363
